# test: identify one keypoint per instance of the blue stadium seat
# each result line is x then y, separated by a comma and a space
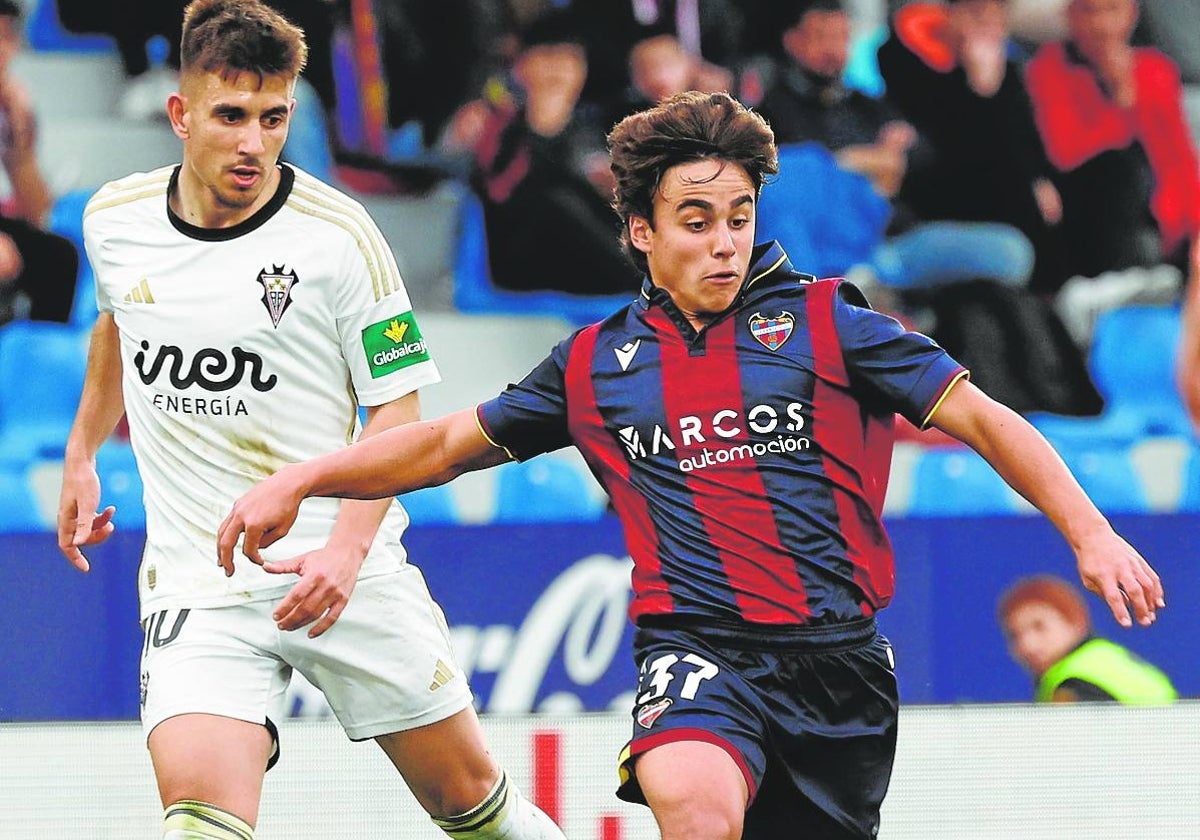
474, 290
66, 219
308, 145
826, 218
949, 481
1189, 499
121, 484
546, 489
44, 31
1132, 363
431, 506
18, 509
1108, 475
42, 368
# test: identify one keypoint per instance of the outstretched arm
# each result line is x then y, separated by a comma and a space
409, 457
1108, 565
327, 575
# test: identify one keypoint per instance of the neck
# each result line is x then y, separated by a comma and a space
197, 204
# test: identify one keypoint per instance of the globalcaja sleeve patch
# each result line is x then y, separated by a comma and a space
393, 344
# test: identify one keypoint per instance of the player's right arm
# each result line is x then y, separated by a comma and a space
100, 408
395, 461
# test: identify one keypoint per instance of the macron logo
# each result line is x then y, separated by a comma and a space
625, 354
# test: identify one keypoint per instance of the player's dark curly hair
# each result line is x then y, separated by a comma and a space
683, 128
231, 35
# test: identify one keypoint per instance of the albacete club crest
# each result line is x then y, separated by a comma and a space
773, 331
277, 291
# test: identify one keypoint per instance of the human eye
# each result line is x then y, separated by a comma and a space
696, 225
739, 222
273, 121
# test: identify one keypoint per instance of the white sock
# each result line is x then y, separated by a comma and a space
504, 814
192, 820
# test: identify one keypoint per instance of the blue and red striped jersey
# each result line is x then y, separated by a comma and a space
747, 461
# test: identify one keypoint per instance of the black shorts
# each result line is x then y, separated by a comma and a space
809, 715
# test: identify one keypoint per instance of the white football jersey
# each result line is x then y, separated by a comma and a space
245, 349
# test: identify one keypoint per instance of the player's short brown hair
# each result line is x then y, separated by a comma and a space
684, 128
222, 36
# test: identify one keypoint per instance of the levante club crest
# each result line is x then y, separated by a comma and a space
277, 291
772, 332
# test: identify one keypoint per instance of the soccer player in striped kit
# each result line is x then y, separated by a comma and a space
739, 413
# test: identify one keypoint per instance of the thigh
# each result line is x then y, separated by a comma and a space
690, 692
695, 790
387, 665
212, 759
209, 689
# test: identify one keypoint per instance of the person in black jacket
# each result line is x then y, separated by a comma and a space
947, 69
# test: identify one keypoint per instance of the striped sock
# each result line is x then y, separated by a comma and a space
504, 814
188, 819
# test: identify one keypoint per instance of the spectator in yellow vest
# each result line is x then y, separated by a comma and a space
1049, 632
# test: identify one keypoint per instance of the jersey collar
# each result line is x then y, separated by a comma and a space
768, 262
287, 177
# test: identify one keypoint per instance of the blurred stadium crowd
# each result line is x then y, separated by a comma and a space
1018, 178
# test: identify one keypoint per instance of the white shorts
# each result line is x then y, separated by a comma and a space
386, 665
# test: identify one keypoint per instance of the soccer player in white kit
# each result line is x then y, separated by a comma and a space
247, 309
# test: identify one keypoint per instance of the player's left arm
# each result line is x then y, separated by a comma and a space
329, 574
1108, 565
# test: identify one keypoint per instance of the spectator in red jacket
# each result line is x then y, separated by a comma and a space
1112, 121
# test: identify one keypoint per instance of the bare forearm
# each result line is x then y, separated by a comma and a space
1023, 457
1019, 453
101, 404
359, 519
398, 460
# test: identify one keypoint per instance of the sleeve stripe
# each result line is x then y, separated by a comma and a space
134, 188
962, 374
385, 274
483, 431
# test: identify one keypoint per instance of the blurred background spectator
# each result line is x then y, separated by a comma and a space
37, 268
1112, 120
948, 70
1049, 633
534, 145
808, 101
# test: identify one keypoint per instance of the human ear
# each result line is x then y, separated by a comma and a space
641, 234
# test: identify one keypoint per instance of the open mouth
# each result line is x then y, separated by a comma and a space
245, 176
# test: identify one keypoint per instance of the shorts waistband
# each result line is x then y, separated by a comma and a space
769, 636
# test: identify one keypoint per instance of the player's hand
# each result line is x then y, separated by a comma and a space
263, 515
78, 522
327, 579
1114, 570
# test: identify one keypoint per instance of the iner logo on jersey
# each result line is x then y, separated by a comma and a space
209, 369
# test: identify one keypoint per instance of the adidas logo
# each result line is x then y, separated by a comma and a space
442, 674
140, 293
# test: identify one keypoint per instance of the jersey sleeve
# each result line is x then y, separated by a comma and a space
530, 418
381, 339
93, 252
897, 370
